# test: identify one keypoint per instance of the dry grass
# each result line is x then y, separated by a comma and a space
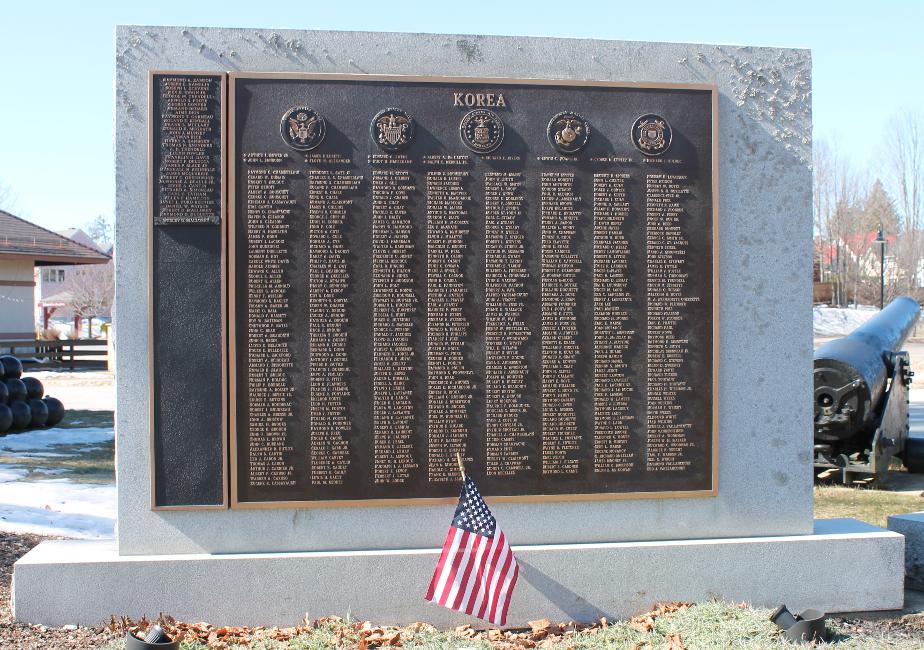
866, 504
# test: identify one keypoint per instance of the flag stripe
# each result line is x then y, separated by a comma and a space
507, 591
489, 580
492, 616
452, 584
450, 536
497, 577
474, 604
465, 583
462, 574
474, 578
458, 542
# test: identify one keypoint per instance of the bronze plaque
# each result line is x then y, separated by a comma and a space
520, 271
187, 303
186, 147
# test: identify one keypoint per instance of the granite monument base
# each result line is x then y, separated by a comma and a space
84, 582
911, 525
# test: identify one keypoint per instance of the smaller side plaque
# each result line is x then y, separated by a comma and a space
187, 148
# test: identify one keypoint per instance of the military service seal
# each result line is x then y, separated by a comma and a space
651, 134
392, 129
481, 130
302, 128
568, 132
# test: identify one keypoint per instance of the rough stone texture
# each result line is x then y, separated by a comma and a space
912, 527
65, 582
765, 228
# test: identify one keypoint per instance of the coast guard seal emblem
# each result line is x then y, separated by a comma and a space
302, 128
651, 134
481, 130
392, 129
568, 132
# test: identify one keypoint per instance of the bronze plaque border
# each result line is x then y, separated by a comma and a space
498, 81
152, 74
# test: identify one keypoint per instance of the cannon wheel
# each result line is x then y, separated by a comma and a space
913, 457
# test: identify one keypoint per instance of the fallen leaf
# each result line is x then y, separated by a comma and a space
674, 642
540, 628
465, 631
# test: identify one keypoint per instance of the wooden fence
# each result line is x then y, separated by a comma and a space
78, 353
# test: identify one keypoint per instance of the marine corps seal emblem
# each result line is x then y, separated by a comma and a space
481, 130
651, 134
302, 128
568, 132
392, 129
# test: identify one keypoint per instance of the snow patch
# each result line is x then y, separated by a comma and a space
58, 507
836, 321
39, 439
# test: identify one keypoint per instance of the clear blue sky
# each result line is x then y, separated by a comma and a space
56, 66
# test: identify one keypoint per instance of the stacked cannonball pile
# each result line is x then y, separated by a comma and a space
21, 400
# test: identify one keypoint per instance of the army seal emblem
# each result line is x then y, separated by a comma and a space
302, 128
651, 134
568, 132
392, 129
481, 130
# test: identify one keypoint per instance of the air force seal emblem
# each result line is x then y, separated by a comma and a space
302, 128
392, 129
481, 130
651, 134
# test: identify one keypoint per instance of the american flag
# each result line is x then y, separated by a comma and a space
477, 571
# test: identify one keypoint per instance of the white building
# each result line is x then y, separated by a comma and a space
23, 248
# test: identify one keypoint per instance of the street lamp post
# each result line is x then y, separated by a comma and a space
882, 242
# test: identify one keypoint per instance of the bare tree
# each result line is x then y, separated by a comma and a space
100, 231
838, 214
92, 289
7, 199
906, 181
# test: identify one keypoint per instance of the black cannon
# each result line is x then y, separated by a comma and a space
861, 397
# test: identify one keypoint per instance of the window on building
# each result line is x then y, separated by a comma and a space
52, 275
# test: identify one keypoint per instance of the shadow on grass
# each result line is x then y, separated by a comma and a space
77, 463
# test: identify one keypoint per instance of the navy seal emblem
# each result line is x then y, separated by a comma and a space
481, 130
651, 134
392, 129
302, 128
568, 132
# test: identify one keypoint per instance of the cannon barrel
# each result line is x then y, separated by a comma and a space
851, 372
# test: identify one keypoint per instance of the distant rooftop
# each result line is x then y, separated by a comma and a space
21, 239
79, 236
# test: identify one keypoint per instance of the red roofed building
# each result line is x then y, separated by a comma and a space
855, 256
24, 246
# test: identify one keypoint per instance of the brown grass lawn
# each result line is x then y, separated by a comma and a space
866, 504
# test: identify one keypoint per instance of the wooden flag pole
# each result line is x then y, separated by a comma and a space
461, 466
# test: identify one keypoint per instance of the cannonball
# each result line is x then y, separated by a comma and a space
11, 366
55, 411
4, 393
22, 415
17, 390
6, 418
39, 412
34, 387
2, 372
